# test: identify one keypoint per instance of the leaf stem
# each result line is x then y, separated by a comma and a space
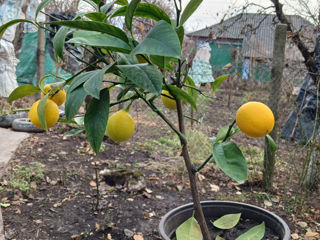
229, 131
204, 163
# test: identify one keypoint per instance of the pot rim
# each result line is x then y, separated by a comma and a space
209, 202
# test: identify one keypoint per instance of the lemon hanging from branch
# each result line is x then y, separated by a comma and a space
51, 114
120, 126
255, 119
59, 97
168, 100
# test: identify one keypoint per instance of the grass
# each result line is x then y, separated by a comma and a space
23, 178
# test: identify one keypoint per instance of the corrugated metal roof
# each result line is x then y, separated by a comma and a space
256, 31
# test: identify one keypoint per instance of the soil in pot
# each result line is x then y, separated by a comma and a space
243, 226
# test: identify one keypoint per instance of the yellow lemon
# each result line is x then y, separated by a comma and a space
59, 97
168, 102
255, 119
51, 114
120, 126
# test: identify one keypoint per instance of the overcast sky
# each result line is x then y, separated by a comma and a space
211, 11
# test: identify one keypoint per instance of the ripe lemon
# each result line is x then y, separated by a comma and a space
120, 126
168, 102
51, 113
255, 119
59, 97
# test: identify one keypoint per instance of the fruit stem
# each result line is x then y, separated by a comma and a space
229, 131
129, 105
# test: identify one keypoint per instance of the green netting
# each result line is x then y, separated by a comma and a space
27, 67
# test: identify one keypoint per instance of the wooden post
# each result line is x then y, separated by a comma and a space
275, 93
40, 56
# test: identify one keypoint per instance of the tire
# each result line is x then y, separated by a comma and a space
24, 125
6, 121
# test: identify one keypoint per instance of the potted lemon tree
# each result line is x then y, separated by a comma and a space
162, 73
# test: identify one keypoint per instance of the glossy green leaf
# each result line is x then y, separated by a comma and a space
107, 7
80, 79
96, 16
101, 40
122, 2
79, 120
180, 32
97, 2
96, 118
93, 26
255, 233
93, 84
5, 26
192, 89
179, 93
162, 40
145, 10
227, 221
189, 10
223, 132
41, 112
160, 61
130, 13
92, 4
123, 92
59, 41
272, 144
218, 81
127, 59
189, 230
74, 132
5, 205
41, 6
22, 91
143, 75
231, 161
74, 101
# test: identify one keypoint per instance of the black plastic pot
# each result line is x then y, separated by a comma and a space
214, 209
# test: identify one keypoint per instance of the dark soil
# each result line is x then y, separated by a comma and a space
63, 204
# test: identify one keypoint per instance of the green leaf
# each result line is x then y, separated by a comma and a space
5, 205
162, 40
161, 62
230, 160
179, 93
97, 2
100, 40
74, 101
189, 10
180, 32
74, 132
22, 91
130, 13
143, 75
227, 221
255, 233
93, 84
96, 16
189, 230
123, 92
105, 8
219, 238
93, 26
223, 132
272, 144
96, 118
41, 6
127, 59
59, 40
218, 81
79, 120
92, 3
145, 10
192, 91
41, 112
4, 27
80, 79
122, 2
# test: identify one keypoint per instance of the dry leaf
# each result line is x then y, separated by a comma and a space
138, 237
311, 234
93, 184
294, 236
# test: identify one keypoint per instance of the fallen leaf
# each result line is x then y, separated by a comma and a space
267, 203
179, 187
109, 237
302, 224
93, 183
138, 237
214, 188
312, 234
294, 236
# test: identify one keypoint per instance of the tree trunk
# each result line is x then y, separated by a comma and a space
274, 97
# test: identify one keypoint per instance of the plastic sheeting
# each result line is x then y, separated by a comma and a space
27, 67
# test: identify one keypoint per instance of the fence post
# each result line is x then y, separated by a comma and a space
275, 93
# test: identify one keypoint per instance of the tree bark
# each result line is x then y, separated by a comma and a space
274, 97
